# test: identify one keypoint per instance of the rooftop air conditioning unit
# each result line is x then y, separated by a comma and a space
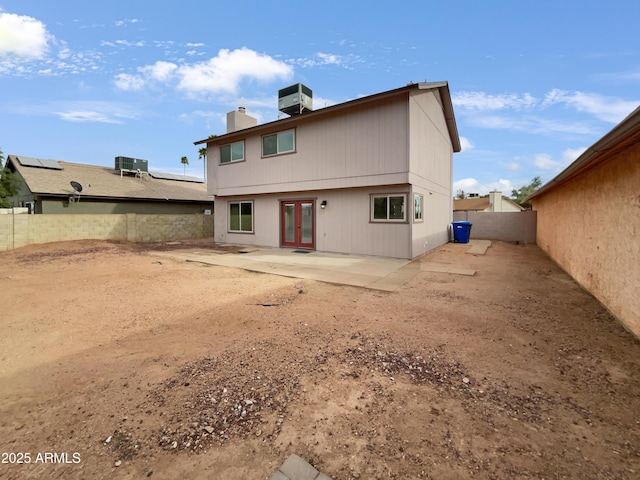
295, 100
131, 164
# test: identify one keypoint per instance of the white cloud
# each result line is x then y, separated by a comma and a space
86, 116
545, 162
127, 43
225, 72
321, 58
570, 154
467, 185
513, 166
159, 71
466, 144
162, 72
471, 185
125, 22
607, 109
330, 59
532, 124
321, 102
485, 101
22, 36
127, 82
91, 112
502, 185
222, 73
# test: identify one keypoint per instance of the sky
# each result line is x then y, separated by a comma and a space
533, 83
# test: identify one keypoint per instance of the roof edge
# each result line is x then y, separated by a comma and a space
442, 86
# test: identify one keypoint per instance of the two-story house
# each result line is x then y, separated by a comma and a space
371, 176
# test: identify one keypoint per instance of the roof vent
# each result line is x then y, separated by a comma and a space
295, 100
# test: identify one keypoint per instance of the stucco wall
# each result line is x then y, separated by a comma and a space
343, 227
505, 226
590, 226
19, 230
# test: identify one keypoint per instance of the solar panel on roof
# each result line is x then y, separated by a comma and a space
173, 176
52, 164
39, 163
29, 162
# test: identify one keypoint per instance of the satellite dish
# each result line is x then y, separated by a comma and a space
76, 186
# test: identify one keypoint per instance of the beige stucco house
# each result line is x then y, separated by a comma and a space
589, 220
371, 176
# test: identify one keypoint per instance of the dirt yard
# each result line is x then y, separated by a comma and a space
116, 362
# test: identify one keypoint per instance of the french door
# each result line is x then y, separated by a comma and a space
297, 223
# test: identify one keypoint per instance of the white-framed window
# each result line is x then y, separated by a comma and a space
418, 204
388, 207
232, 152
279, 143
241, 217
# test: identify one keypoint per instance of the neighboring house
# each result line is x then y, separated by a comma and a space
589, 220
46, 187
495, 202
371, 176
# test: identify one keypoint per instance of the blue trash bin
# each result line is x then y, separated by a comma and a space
461, 231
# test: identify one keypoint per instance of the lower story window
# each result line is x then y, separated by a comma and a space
241, 217
418, 203
388, 208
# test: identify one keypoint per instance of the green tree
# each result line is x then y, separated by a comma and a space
460, 195
523, 192
9, 183
184, 161
202, 154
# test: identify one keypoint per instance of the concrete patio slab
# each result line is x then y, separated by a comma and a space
479, 247
378, 273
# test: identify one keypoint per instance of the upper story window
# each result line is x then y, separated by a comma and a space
388, 208
277, 143
233, 152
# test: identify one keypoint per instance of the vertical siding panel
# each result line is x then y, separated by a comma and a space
350, 147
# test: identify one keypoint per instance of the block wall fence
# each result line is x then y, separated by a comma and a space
18, 229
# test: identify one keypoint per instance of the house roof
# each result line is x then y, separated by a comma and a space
479, 204
53, 178
619, 138
442, 87
471, 204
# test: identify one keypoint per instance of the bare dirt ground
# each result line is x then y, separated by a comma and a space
118, 363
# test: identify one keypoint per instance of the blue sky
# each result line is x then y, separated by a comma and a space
533, 83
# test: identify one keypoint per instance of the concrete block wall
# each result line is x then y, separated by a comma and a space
18, 230
506, 226
6, 229
44, 228
156, 228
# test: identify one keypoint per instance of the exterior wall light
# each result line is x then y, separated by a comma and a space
323, 205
